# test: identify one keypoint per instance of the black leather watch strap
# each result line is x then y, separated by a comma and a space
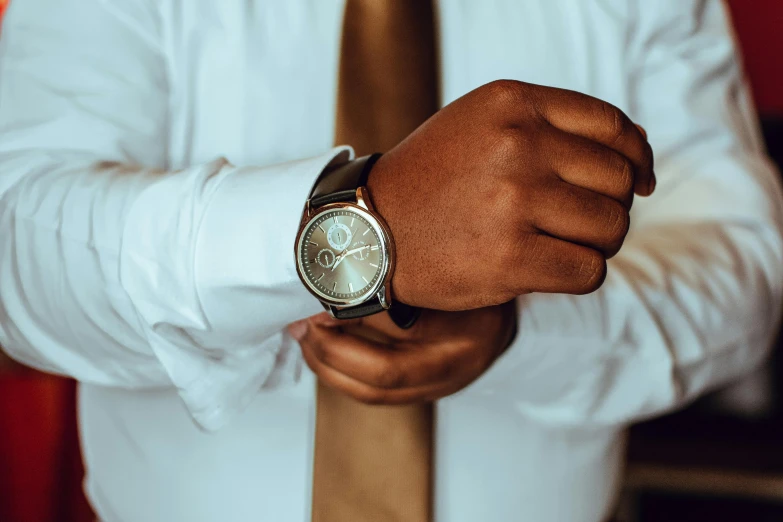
334, 197
403, 315
373, 306
340, 183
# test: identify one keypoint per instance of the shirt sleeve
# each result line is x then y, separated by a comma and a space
115, 270
692, 301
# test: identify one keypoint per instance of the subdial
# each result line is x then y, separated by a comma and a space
339, 236
325, 258
362, 254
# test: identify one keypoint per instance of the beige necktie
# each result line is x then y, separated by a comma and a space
374, 463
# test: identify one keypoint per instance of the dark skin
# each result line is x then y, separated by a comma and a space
441, 354
513, 188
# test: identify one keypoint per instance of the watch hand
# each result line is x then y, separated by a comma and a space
355, 250
338, 259
345, 254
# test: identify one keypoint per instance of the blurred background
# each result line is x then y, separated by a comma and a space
719, 460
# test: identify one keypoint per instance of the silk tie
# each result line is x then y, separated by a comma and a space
374, 463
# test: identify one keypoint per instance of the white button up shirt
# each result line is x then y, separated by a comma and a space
155, 156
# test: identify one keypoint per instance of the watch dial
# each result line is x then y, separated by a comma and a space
341, 255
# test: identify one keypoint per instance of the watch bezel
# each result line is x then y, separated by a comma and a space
387, 246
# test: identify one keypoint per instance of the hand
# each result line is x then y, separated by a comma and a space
539, 179
441, 354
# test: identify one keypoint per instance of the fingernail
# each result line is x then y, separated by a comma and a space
298, 329
653, 182
641, 129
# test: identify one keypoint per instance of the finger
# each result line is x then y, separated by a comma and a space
484, 327
371, 395
586, 116
382, 327
377, 327
590, 165
326, 319
368, 393
378, 365
551, 265
583, 217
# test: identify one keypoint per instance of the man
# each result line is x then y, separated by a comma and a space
155, 160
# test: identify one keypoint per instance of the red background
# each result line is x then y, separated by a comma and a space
40, 471
759, 25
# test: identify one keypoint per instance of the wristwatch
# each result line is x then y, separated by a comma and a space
345, 250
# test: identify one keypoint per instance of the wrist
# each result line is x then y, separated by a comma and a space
384, 192
329, 240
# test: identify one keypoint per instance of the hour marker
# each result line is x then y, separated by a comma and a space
312, 261
313, 243
350, 287
374, 247
320, 277
365, 280
352, 220
373, 265
334, 286
335, 219
322, 229
365, 232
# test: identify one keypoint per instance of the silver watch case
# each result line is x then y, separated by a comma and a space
382, 288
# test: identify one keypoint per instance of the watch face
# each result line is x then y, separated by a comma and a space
341, 255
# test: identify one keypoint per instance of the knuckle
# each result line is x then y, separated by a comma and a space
615, 122
618, 224
591, 271
510, 145
623, 174
619, 220
388, 375
505, 91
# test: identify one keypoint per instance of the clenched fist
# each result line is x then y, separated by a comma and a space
513, 188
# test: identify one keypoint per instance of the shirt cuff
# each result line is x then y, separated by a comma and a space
245, 263
247, 283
